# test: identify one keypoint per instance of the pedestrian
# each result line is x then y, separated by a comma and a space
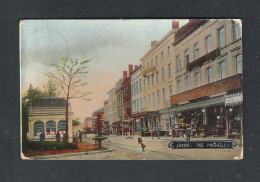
42, 137
158, 134
187, 133
58, 136
143, 146
80, 136
152, 134
139, 140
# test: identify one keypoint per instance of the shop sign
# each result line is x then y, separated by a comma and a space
233, 99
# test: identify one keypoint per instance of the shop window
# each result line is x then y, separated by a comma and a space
222, 70
186, 57
237, 30
50, 126
38, 128
196, 51
188, 82
208, 44
221, 37
239, 63
197, 77
209, 74
62, 125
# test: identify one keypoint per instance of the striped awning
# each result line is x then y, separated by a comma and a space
200, 104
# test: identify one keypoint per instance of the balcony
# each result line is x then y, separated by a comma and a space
227, 84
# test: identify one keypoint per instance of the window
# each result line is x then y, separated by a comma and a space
197, 77
188, 82
208, 44
140, 84
136, 87
169, 50
145, 101
237, 33
239, 63
50, 126
152, 63
38, 128
179, 86
209, 74
169, 70
157, 77
163, 75
153, 99
158, 97
143, 68
222, 70
186, 57
132, 89
170, 90
152, 79
163, 94
144, 83
162, 56
137, 104
62, 125
221, 37
178, 63
196, 51
147, 65
141, 104
156, 60
149, 100
148, 81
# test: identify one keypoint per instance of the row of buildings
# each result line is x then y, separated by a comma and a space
191, 78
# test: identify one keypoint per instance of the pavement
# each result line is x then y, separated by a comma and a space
156, 149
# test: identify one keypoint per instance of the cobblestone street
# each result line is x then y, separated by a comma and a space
128, 149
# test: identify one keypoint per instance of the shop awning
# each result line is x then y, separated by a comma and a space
200, 104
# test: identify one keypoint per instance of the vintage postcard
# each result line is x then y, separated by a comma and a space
155, 89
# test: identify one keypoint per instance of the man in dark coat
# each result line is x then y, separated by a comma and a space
58, 136
42, 137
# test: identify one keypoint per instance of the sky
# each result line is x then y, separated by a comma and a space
110, 45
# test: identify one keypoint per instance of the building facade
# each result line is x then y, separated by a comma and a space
208, 74
158, 82
47, 116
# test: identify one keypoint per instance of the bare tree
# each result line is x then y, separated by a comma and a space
69, 77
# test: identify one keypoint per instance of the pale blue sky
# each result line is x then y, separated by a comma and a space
110, 44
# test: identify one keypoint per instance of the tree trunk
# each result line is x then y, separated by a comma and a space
67, 119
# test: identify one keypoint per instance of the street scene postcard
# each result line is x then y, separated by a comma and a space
155, 89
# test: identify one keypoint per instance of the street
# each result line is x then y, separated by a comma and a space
156, 149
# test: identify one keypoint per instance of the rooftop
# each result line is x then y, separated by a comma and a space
50, 102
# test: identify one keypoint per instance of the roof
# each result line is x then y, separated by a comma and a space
99, 110
187, 29
50, 102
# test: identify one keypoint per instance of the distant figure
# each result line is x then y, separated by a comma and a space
143, 146
42, 137
139, 140
80, 136
152, 134
158, 134
58, 136
187, 133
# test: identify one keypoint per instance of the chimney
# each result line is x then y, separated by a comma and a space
130, 68
175, 24
154, 43
124, 75
136, 67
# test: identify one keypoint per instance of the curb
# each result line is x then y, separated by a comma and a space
72, 154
